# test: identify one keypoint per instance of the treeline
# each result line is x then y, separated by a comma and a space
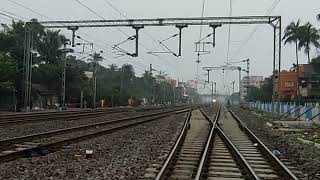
115, 84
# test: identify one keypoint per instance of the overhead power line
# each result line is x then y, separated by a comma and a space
43, 15
276, 2
229, 30
202, 14
25, 7
37, 13
91, 10
18, 17
146, 33
8, 16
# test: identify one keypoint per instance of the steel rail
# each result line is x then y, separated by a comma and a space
234, 151
229, 145
45, 113
28, 114
163, 170
209, 141
72, 129
282, 169
52, 117
70, 115
54, 145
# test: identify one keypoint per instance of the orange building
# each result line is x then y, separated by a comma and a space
288, 84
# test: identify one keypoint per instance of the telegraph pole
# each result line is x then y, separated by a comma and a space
63, 91
248, 63
94, 81
212, 91
215, 90
150, 81
239, 68
232, 92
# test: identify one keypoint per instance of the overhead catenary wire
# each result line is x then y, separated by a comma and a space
43, 15
229, 31
144, 32
245, 42
8, 16
33, 11
202, 14
91, 10
228, 41
17, 16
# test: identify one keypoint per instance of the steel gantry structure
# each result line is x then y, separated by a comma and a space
227, 68
180, 23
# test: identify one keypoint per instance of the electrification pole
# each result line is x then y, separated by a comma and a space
94, 81
239, 68
212, 83
63, 91
215, 90
150, 83
248, 84
232, 92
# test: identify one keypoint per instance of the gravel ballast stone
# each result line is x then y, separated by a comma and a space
303, 157
124, 154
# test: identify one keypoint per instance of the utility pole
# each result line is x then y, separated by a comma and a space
248, 84
28, 68
215, 89
239, 68
164, 93
81, 99
232, 92
212, 91
150, 81
174, 95
94, 81
63, 90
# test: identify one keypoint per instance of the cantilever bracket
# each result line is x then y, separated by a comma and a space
214, 26
180, 27
137, 28
73, 29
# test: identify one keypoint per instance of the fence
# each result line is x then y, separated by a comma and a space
308, 112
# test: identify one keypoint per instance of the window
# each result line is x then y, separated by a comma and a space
289, 84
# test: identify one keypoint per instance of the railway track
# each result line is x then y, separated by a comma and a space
13, 119
224, 149
44, 143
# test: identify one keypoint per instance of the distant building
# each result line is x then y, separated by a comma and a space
253, 81
288, 85
192, 84
309, 79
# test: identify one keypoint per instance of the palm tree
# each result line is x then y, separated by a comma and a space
292, 34
50, 47
309, 36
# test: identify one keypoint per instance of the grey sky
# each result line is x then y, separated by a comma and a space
259, 48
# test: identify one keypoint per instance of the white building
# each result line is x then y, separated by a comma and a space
253, 81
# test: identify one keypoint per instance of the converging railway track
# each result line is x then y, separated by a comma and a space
23, 118
43, 143
223, 149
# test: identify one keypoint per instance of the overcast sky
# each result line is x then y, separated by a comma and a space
258, 49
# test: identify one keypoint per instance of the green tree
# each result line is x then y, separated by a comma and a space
7, 69
292, 35
309, 36
12, 45
50, 47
